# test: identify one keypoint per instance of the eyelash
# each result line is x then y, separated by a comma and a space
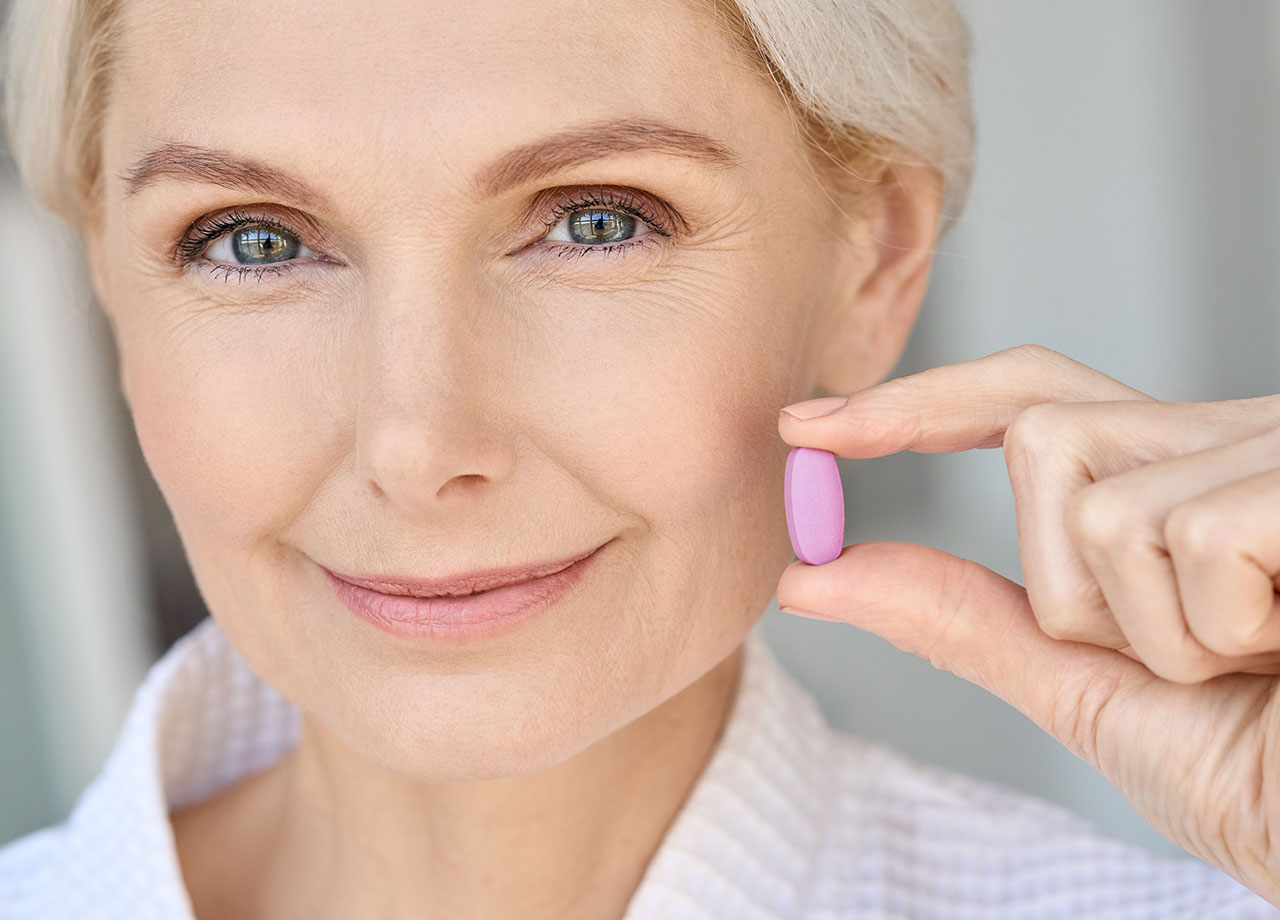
207, 229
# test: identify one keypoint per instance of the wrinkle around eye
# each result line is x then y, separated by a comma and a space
603, 272
320, 292
714, 250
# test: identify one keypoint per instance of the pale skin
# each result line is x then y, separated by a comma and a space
437, 385
1147, 638
443, 381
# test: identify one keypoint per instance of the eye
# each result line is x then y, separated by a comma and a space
257, 245
603, 221
594, 226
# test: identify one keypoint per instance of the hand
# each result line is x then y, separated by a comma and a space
1147, 639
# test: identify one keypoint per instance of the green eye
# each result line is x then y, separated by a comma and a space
262, 246
248, 244
600, 226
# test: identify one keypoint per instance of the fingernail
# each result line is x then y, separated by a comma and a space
810, 614
813, 408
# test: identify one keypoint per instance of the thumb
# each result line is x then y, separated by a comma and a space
964, 618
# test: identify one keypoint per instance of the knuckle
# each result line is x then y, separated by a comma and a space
1035, 431
1034, 424
1036, 354
955, 588
1193, 531
1083, 716
1098, 515
1069, 604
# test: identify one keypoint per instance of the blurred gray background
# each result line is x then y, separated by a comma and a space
1124, 212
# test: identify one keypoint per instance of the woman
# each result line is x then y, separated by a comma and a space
497, 304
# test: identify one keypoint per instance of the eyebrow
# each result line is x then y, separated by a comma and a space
562, 150
193, 163
584, 143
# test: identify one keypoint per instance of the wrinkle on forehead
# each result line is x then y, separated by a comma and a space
424, 69
405, 105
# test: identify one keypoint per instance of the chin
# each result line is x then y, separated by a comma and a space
474, 761
462, 740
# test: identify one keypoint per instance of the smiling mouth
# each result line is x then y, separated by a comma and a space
460, 586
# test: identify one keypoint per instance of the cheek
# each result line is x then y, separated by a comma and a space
669, 403
229, 415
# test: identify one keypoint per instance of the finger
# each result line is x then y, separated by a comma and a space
1225, 550
1118, 526
1138, 583
966, 619
1156, 742
1162, 642
1055, 452
1048, 452
1270, 667
971, 405
954, 407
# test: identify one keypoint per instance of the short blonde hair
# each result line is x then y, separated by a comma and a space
869, 82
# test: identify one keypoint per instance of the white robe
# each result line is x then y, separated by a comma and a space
790, 819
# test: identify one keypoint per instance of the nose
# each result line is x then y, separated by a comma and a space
425, 436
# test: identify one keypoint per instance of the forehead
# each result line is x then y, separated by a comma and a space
408, 77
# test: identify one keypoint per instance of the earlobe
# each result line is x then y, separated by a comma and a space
885, 271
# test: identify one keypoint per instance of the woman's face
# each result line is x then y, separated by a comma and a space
435, 371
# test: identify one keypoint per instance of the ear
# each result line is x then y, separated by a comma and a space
882, 273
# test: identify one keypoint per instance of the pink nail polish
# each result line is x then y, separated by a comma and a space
815, 408
814, 500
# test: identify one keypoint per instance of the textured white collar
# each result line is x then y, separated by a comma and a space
743, 846
788, 821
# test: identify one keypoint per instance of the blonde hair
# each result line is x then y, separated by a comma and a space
870, 83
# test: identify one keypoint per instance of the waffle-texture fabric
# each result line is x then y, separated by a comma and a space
790, 820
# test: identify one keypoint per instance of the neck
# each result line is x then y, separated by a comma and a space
323, 833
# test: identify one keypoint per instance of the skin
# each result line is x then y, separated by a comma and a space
1146, 640
443, 393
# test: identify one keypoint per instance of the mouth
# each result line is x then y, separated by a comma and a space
464, 585
481, 605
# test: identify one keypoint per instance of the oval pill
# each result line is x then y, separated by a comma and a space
814, 498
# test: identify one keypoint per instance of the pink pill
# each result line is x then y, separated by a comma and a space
814, 498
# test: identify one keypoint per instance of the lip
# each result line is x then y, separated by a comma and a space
458, 585
392, 607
